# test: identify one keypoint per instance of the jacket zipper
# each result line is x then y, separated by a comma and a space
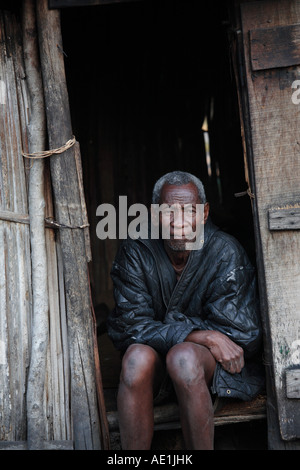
179, 282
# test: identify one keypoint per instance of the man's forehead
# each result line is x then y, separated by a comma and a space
185, 193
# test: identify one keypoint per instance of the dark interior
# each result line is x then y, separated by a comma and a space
146, 80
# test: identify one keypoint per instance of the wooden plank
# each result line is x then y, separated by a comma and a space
233, 411
284, 218
292, 377
82, 201
79, 3
58, 400
274, 125
275, 47
218, 421
10, 216
48, 445
35, 394
84, 406
14, 217
15, 272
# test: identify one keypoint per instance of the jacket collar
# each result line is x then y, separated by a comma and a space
166, 273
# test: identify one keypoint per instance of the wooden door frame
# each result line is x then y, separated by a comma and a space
275, 440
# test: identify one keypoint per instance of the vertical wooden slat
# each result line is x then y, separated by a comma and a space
53, 384
85, 418
58, 391
36, 418
15, 293
272, 131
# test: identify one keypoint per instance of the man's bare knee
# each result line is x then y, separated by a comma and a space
138, 365
185, 363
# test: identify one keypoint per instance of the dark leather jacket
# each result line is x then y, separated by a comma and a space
216, 291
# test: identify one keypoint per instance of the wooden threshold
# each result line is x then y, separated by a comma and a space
232, 411
48, 445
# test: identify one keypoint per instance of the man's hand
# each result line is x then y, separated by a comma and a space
224, 350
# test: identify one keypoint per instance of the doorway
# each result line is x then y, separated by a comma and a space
152, 90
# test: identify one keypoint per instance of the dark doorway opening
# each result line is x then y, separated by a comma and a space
152, 90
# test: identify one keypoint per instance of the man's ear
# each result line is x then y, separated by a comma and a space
206, 212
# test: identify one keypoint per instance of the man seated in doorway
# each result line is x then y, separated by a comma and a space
185, 318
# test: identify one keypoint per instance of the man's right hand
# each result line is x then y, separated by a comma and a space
225, 351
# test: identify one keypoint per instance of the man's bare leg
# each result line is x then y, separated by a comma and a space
191, 368
142, 372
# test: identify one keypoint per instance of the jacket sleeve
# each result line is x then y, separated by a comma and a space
133, 318
231, 307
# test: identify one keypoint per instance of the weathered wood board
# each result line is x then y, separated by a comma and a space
231, 411
77, 3
68, 209
284, 218
293, 383
15, 265
275, 47
16, 269
275, 137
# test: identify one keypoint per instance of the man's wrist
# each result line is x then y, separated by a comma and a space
200, 337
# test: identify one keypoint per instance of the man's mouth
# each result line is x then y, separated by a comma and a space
181, 236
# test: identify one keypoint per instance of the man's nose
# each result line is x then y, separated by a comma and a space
178, 220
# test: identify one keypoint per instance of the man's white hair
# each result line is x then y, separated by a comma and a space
177, 178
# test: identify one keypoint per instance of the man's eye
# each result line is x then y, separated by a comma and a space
189, 211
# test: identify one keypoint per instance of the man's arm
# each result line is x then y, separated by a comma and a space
225, 351
229, 325
230, 308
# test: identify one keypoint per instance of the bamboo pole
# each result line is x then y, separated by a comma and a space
68, 213
36, 433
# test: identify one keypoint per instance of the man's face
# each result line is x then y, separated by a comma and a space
183, 219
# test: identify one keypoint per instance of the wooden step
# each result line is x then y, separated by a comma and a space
231, 411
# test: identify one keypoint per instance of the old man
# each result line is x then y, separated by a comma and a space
185, 320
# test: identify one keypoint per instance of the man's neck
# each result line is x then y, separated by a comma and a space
178, 258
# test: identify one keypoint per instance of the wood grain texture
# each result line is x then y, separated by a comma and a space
293, 383
275, 47
275, 124
232, 411
36, 125
68, 210
76, 3
284, 219
15, 272
16, 304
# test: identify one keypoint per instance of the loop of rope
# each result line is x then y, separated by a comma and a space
250, 194
48, 153
244, 193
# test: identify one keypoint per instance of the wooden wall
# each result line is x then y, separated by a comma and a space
271, 54
16, 296
48, 396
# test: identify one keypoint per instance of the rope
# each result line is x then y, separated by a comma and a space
54, 224
48, 153
244, 193
250, 194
